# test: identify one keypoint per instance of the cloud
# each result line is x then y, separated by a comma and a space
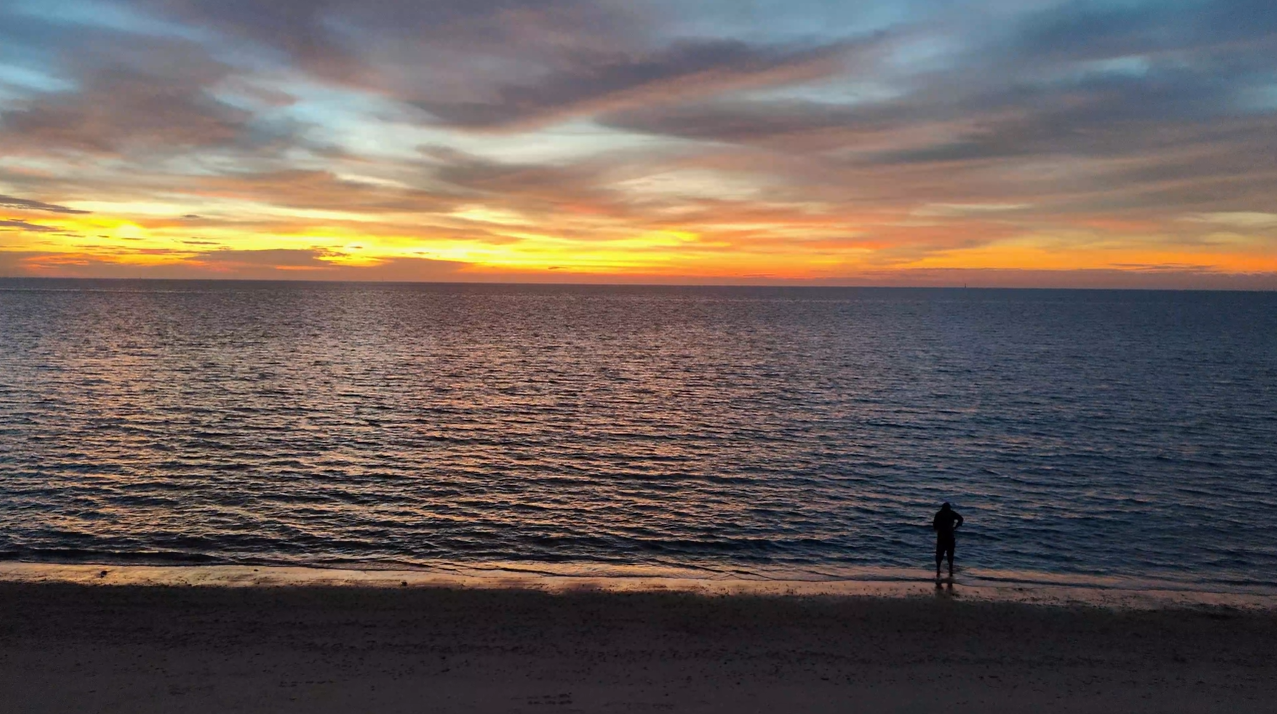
757, 121
315, 258
18, 263
608, 81
1082, 30
1067, 133
935, 210
294, 27
602, 130
12, 224
1237, 219
30, 205
287, 264
1104, 115
255, 265
135, 95
524, 186
1089, 115
319, 190
369, 42
1137, 277
505, 65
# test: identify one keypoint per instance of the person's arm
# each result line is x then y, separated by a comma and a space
959, 523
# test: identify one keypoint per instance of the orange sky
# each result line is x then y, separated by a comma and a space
600, 142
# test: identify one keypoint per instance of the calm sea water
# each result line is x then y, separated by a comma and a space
1091, 433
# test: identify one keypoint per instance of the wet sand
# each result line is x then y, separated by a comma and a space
67, 647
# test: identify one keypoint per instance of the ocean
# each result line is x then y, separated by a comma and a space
736, 430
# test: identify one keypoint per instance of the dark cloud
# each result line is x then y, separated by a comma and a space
606, 81
132, 95
13, 224
30, 205
1090, 112
1165, 137
362, 41
551, 196
759, 121
525, 186
137, 95
1084, 30
1097, 30
294, 27
503, 64
1178, 127
1081, 110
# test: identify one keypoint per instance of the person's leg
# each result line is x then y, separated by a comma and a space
949, 555
939, 556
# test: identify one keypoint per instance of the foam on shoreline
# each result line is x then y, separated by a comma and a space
974, 584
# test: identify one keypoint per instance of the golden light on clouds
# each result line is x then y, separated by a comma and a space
591, 142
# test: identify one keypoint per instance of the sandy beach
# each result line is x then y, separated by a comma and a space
67, 647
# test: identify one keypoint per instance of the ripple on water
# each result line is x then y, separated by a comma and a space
1131, 434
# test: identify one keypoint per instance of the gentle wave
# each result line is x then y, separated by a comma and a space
1081, 433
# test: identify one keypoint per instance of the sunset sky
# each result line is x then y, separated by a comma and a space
894, 142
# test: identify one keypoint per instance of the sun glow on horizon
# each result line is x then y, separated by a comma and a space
409, 143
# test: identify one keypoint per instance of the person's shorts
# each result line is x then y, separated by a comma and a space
945, 547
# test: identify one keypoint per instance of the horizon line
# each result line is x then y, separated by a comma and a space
801, 286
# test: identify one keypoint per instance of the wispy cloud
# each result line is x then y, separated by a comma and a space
13, 224
1238, 219
27, 204
608, 81
592, 137
135, 95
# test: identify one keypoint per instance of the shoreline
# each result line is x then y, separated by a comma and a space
75, 647
974, 585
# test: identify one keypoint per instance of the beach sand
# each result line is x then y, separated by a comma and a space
67, 647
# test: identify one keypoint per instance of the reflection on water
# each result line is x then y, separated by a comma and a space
1119, 433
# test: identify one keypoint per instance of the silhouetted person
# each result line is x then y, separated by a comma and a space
945, 523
